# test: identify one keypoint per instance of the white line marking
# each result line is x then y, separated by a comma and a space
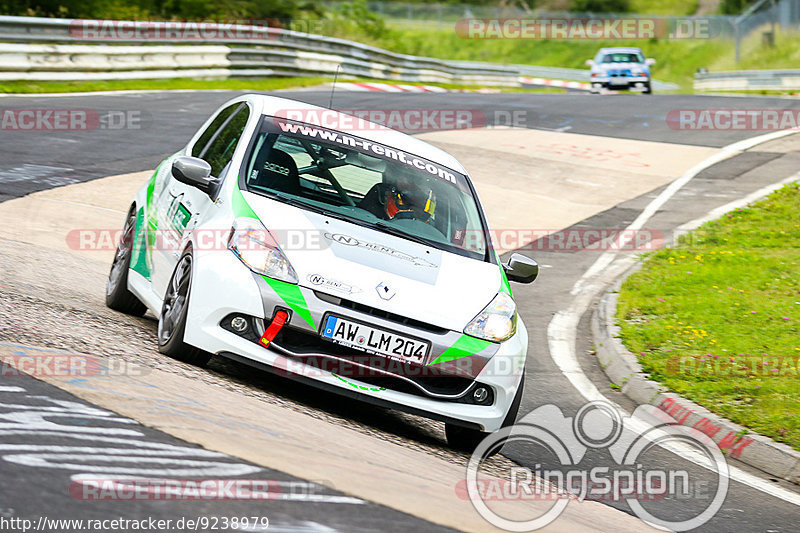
29, 172
727, 151
112, 93
562, 330
741, 202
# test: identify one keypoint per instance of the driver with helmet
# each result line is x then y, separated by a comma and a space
400, 197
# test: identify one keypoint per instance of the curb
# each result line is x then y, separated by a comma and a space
623, 369
389, 87
556, 83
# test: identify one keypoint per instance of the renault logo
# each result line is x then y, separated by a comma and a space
385, 291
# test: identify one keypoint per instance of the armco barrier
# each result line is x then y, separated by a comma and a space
266, 51
75, 62
748, 80
68, 49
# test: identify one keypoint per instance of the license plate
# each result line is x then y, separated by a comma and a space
619, 81
374, 340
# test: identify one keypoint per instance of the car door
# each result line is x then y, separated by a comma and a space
182, 206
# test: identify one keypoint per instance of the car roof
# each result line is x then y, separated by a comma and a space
620, 49
270, 105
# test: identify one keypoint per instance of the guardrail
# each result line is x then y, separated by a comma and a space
80, 62
72, 49
126, 50
748, 80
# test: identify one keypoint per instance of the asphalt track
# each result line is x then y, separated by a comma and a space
34, 161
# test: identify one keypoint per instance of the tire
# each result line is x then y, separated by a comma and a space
647, 89
466, 439
118, 297
172, 321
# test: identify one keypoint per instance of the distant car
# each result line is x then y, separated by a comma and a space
393, 295
621, 68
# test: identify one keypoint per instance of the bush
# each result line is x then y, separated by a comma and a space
600, 6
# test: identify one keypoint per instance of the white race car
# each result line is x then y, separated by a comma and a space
353, 259
621, 68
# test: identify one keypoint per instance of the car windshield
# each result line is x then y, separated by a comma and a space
623, 57
366, 183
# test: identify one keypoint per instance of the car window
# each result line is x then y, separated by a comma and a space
221, 146
379, 186
212, 128
623, 57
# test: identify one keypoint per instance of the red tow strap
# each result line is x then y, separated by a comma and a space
272, 330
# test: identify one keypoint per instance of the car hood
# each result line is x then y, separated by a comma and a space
604, 67
379, 270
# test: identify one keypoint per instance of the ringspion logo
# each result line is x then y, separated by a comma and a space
629, 474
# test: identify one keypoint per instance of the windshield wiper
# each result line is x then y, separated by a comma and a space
299, 203
400, 233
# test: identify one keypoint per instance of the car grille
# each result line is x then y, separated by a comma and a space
313, 350
324, 354
372, 311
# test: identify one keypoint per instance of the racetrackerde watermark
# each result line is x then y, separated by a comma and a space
410, 120
530, 240
146, 30
622, 468
744, 365
219, 30
619, 28
41, 364
733, 119
72, 120
143, 524
127, 488
354, 120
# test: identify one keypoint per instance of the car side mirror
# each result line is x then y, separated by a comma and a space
193, 171
650, 61
521, 269
589, 63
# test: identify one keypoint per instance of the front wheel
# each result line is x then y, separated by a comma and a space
466, 439
118, 297
647, 88
172, 322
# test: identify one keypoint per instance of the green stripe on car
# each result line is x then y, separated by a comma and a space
290, 293
293, 296
138, 255
239, 205
465, 346
505, 286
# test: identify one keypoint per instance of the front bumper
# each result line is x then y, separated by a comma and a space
620, 82
223, 286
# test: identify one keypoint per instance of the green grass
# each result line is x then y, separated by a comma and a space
677, 60
754, 55
664, 7
260, 84
726, 297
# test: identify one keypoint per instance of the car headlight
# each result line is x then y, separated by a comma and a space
259, 251
497, 322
